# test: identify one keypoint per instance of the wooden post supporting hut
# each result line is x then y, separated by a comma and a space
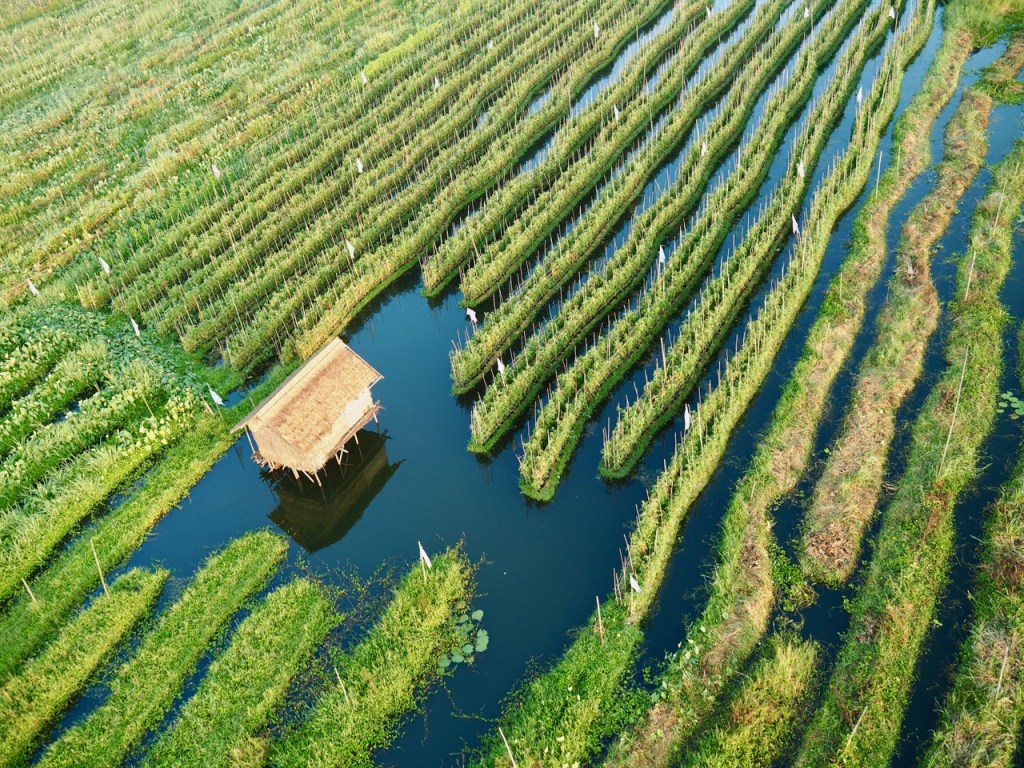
309, 419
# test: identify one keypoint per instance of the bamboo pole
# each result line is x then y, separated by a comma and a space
103, 580
507, 748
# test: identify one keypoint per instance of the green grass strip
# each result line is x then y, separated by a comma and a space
30, 532
564, 714
383, 677
984, 711
146, 685
243, 687
769, 705
68, 380
70, 578
32, 700
860, 719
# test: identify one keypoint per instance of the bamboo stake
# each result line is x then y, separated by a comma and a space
31, 595
344, 690
854, 731
956, 407
600, 624
103, 581
507, 748
1002, 670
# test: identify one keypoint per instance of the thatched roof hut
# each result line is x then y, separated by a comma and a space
307, 421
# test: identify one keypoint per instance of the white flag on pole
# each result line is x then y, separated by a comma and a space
687, 418
634, 584
501, 367
424, 557
216, 171
860, 95
471, 314
104, 265
215, 397
796, 227
363, 75
32, 288
359, 164
703, 149
807, 13
661, 254
616, 109
351, 249
800, 169
437, 83
892, 12
709, 11
135, 327
597, 30
490, 44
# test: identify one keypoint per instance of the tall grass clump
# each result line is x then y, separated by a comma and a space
220, 725
382, 678
145, 686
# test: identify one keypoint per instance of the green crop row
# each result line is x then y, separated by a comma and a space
31, 531
220, 725
142, 206
325, 301
62, 586
847, 493
761, 718
572, 137
145, 686
562, 263
381, 678
33, 699
117, 406
206, 273
575, 178
742, 590
69, 379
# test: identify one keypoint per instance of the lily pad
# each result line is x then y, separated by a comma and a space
478, 614
482, 640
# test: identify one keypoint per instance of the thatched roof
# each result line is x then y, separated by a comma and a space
309, 418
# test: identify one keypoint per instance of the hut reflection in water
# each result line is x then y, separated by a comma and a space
318, 516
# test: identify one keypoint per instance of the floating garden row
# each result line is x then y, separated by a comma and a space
984, 710
195, 185
322, 302
869, 687
506, 397
590, 379
573, 181
564, 261
688, 22
742, 591
847, 493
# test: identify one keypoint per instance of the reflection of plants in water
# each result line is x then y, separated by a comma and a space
1011, 405
473, 639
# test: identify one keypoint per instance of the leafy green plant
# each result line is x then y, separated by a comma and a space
1010, 405
471, 639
